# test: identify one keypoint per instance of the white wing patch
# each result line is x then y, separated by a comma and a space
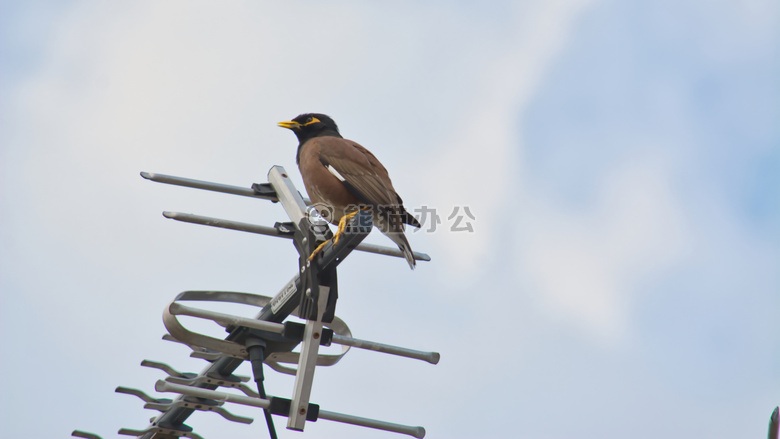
335, 173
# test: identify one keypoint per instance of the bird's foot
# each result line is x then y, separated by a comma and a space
317, 250
342, 227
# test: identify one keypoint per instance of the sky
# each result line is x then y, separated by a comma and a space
617, 274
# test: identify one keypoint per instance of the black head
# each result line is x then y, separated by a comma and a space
309, 125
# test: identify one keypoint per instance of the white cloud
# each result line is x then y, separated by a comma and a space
480, 164
194, 88
586, 265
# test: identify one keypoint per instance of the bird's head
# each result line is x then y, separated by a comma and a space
311, 125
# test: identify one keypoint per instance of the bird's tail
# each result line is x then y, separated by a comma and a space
403, 244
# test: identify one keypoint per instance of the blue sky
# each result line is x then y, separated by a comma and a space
621, 160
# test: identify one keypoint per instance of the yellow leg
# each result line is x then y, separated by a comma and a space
342, 226
317, 250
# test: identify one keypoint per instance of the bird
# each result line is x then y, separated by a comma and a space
342, 177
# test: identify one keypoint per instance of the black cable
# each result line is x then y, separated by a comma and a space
256, 348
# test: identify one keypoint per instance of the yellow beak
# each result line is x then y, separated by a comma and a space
290, 125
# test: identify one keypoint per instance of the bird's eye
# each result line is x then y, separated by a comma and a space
311, 120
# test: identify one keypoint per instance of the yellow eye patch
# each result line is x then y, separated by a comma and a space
311, 121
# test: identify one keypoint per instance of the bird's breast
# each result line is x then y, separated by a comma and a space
328, 194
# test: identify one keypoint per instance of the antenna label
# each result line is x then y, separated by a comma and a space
280, 299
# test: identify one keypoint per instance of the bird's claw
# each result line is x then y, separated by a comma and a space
317, 250
342, 227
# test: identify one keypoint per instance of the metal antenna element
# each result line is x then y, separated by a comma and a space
269, 338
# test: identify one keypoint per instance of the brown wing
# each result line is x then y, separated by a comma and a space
359, 170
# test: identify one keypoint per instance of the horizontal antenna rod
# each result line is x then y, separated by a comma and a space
277, 328
162, 386
431, 357
271, 231
209, 186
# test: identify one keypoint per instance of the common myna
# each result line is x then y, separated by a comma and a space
342, 177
